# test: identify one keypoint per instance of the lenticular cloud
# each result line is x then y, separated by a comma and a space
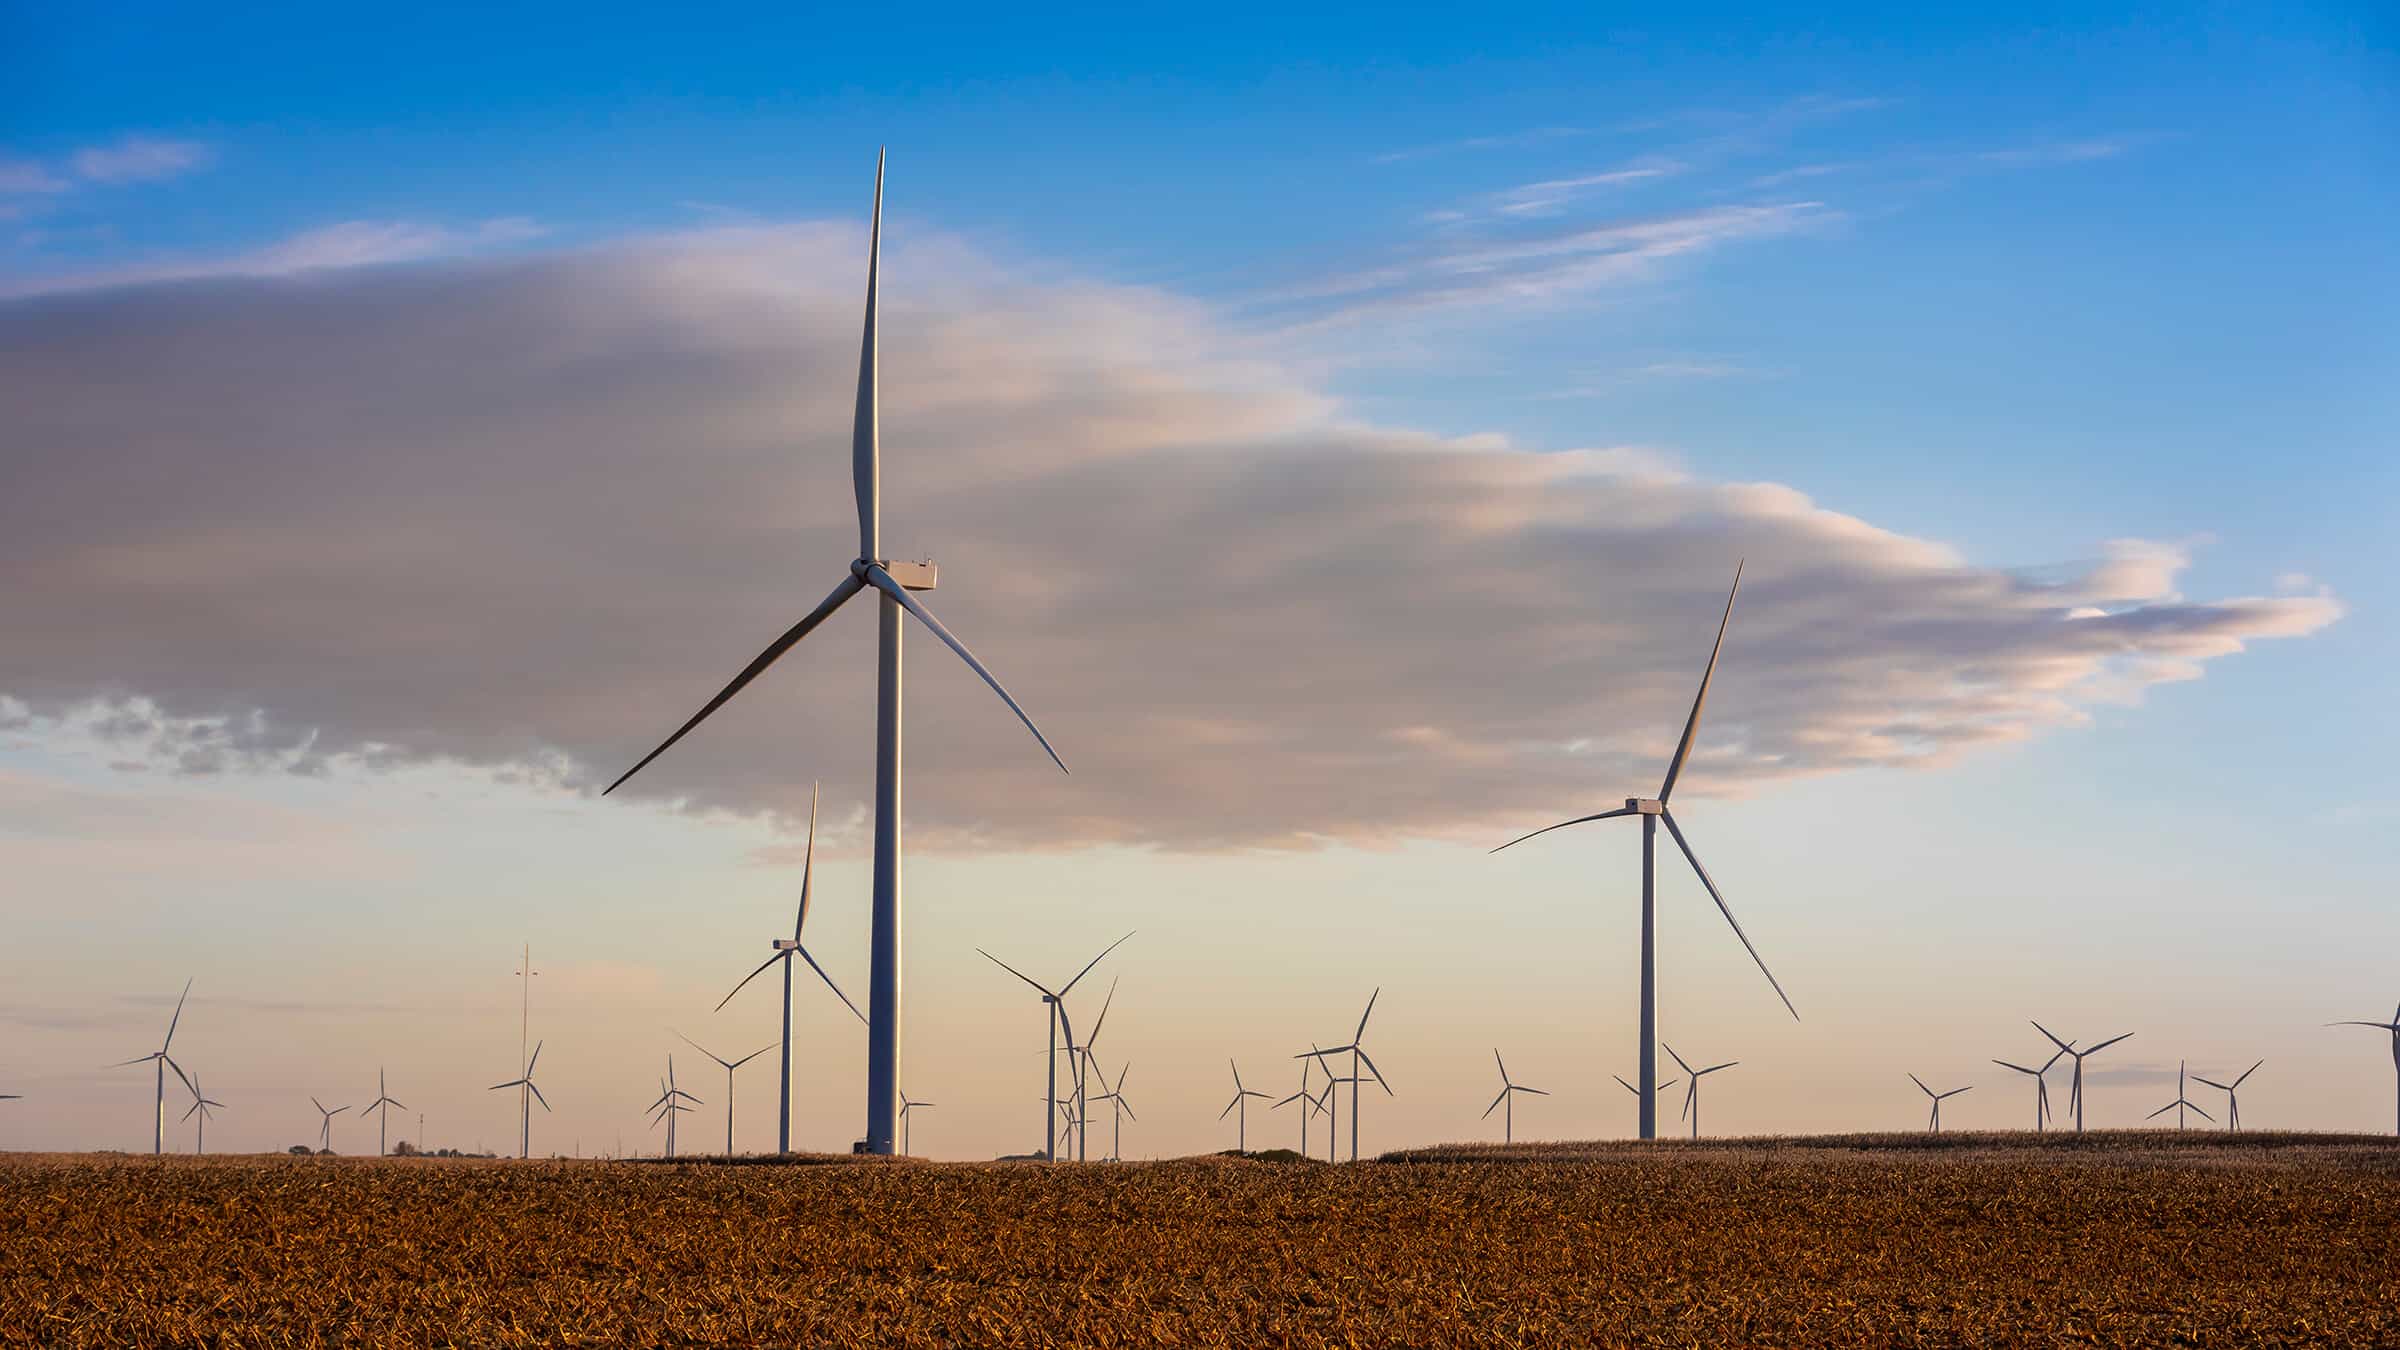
526, 514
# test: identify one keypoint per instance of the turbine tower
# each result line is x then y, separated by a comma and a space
2392, 1026
2181, 1103
2075, 1094
1934, 1124
382, 1107
202, 1106
897, 583
1241, 1103
1507, 1098
784, 951
1691, 1087
1057, 1003
1308, 1103
161, 1062
670, 1104
730, 1066
1358, 1058
1082, 1059
2041, 1085
2233, 1105
906, 1106
1119, 1109
1652, 812
325, 1126
527, 1094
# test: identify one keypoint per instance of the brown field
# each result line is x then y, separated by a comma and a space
2113, 1239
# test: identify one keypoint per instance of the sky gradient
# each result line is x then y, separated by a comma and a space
1341, 441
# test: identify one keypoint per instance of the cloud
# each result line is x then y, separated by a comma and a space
353, 243
1553, 194
2081, 151
528, 512
24, 175
140, 159
1505, 140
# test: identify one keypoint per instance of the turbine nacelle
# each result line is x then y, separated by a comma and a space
1644, 806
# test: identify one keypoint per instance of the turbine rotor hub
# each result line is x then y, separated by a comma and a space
1645, 806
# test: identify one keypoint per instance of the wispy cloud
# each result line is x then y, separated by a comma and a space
2045, 153
140, 159
28, 176
349, 244
1502, 141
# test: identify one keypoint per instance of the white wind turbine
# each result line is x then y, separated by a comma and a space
2392, 1026
670, 1104
2233, 1105
1308, 1104
784, 952
906, 1106
2041, 1085
1651, 813
1358, 1057
202, 1106
325, 1126
161, 1062
1691, 1087
2181, 1103
898, 583
2075, 1094
527, 1094
1057, 1003
1508, 1099
1934, 1122
382, 1107
730, 1065
1119, 1109
1082, 1059
1240, 1103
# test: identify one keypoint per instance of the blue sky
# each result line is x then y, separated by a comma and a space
2017, 286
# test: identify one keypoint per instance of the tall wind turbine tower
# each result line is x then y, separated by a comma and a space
1507, 1099
1652, 811
1241, 1104
527, 1094
1057, 1003
2392, 1026
1933, 1123
325, 1126
2041, 1085
161, 1061
729, 1066
382, 1107
2181, 1104
2233, 1103
204, 1107
2075, 1093
1691, 1087
1358, 1058
898, 583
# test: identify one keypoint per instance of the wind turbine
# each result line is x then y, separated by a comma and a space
2181, 1104
1058, 1014
906, 1106
1241, 1103
2041, 1085
1691, 1087
2075, 1095
203, 1106
670, 1104
2233, 1105
527, 1095
382, 1107
1935, 1123
2392, 1026
730, 1066
1308, 1104
898, 583
162, 1062
784, 951
1081, 1057
1119, 1109
1651, 813
1508, 1098
325, 1127
1358, 1056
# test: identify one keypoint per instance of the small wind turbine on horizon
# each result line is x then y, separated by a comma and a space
2233, 1105
325, 1126
2181, 1103
1308, 1104
162, 1062
527, 1094
1691, 1086
1240, 1103
1508, 1099
670, 1104
1652, 811
1358, 1059
1119, 1108
1083, 1061
382, 1107
906, 1106
2393, 1027
1057, 1003
898, 583
2075, 1094
784, 952
202, 1106
2041, 1084
730, 1066
1934, 1125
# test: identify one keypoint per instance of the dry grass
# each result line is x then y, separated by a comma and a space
2113, 1239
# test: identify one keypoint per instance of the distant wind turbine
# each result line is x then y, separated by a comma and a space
2181, 1103
2233, 1105
1119, 1108
1241, 1104
670, 1104
2041, 1085
161, 1062
1308, 1104
906, 1106
1358, 1058
1081, 1057
1934, 1123
1691, 1087
2075, 1094
325, 1127
784, 951
730, 1066
2392, 1026
898, 583
1651, 813
202, 1106
1057, 1003
382, 1107
1508, 1099
527, 1094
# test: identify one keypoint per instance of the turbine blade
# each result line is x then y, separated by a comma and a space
1691, 724
882, 581
1727, 911
1714, 1067
697, 1046
850, 586
2247, 1072
762, 969
2211, 1082
865, 430
1237, 1097
808, 865
1668, 1084
1102, 1020
513, 1082
1087, 966
751, 1056
187, 1115
179, 1073
1676, 1057
537, 1095
1627, 1086
1487, 1111
2063, 1047
2162, 1110
1920, 1085
2201, 1112
2107, 1043
1501, 1062
1016, 972
537, 1058
1538, 1092
2018, 1067
1361, 1033
177, 1018
1378, 1073
1579, 820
